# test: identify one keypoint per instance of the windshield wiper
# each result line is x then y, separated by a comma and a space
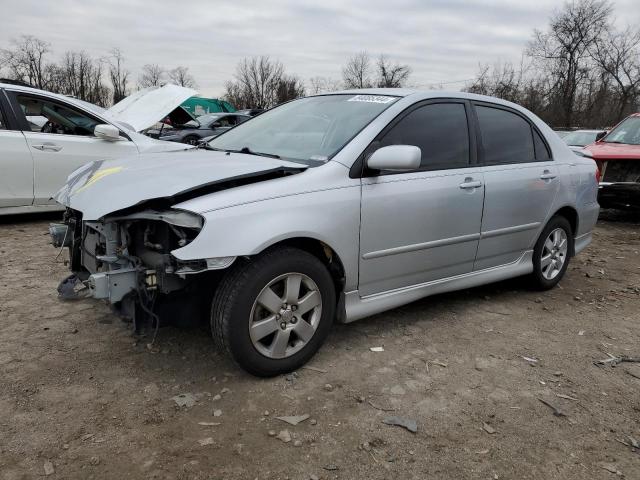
248, 151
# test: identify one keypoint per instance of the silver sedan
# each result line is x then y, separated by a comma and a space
328, 208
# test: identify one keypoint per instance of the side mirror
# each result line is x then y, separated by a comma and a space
396, 158
107, 132
600, 135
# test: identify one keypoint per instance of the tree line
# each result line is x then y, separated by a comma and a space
579, 71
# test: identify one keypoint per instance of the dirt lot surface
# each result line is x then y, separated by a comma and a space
80, 398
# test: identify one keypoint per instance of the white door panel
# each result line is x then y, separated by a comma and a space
16, 170
418, 227
517, 201
55, 156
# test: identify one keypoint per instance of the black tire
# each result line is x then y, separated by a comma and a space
234, 298
537, 279
191, 139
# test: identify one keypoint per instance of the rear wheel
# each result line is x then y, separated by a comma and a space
552, 253
273, 313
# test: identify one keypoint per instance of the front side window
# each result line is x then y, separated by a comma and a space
628, 131
439, 130
47, 116
506, 137
309, 130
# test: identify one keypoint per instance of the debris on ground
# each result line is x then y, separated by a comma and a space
376, 349
556, 411
331, 467
209, 424
315, 369
48, 468
610, 467
488, 428
184, 400
284, 436
217, 413
294, 419
566, 397
206, 441
530, 359
328, 387
436, 362
407, 423
613, 361
383, 409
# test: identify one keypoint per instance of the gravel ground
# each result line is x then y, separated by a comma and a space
80, 398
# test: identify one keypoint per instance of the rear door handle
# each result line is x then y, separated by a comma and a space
470, 183
49, 147
547, 175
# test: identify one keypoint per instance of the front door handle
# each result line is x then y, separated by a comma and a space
470, 183
49, 147
547, 175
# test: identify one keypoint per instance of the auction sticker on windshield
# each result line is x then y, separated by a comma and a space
372, 99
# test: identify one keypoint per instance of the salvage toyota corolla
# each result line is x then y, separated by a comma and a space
328, 207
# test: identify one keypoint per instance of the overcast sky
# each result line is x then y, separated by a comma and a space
442, 40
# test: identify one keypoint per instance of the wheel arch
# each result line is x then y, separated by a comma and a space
319, 249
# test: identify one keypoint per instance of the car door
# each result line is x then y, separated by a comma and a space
521, 181
60, 139
422, 225
16, 162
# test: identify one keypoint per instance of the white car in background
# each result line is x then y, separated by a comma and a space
44, 137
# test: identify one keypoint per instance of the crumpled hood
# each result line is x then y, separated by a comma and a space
613, 151
106, 186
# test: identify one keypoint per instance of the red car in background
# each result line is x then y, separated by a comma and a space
617, 154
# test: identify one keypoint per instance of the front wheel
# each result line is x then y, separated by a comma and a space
552, 253
273, 312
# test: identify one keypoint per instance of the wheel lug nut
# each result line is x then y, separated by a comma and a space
294, 308
283, 325
294, 320
278, 316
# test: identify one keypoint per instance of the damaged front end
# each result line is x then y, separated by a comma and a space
126, 260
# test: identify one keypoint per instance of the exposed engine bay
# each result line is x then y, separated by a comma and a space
126, 260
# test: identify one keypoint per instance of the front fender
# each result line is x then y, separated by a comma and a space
331, 216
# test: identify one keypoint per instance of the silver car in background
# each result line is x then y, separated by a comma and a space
331, 207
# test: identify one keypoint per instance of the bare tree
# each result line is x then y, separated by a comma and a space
256, 83
617, 53
320, 84
391, 75
563, 51
26, 61
289, 87
152, 76
357, 71
181, 76
118, 75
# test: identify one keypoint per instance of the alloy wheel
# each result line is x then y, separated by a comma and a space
554, 253
285, 315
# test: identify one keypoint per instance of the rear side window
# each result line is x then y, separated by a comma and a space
506, 137
440, 130
2, 125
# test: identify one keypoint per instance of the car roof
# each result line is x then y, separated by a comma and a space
425, 95
36, 91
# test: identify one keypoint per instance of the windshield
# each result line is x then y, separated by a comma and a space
627, 132
580, 139
310, 130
